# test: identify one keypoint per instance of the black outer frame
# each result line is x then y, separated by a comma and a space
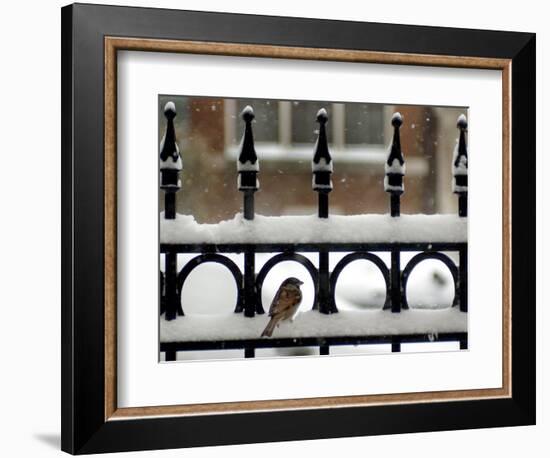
84, 429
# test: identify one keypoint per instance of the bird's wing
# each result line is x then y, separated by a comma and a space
285, 299
274, 302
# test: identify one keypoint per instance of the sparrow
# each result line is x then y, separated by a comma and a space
284, 304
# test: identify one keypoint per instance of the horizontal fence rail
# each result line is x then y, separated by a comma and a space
249, 281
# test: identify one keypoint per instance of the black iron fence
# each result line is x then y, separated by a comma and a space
249, 281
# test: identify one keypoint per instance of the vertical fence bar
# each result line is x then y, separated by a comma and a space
170, 205
172, 304
170, 168
463, 205
162, 293
250, 306
322, 167
395, 280
248, 167
395, 205
460, 187
396, 344
325, 303
170, 355
463, 277
249, 352
248, 204
394, 168
322, 205
460, 167
170, 163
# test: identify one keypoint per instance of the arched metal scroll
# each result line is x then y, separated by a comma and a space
348, 259
281, 257
218, 258
422, 257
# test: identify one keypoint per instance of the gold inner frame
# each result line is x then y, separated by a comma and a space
114, 44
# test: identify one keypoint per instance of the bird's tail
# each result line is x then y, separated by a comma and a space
270, 327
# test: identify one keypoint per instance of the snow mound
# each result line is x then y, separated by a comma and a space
170, 108
233, 326
396, 119
367, 228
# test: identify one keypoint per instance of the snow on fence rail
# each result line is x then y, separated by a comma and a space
432, 236
312, 229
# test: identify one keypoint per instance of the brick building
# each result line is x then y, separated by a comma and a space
209, 130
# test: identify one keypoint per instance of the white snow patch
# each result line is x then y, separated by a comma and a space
311, 229
171, 164
395, 167
248, 110
458, 189
233, 326
173, 187
322, 112
462, 120
248, 166
322, 166
397, 117
169, 107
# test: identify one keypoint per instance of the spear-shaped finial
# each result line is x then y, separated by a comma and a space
322, 165
394, 167
460, 167
168, 146
170, 163
248, 165
170, 167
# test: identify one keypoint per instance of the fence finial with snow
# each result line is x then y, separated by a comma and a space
170, 183
170, 163
460, 167
394, 168
322, 165
248, 165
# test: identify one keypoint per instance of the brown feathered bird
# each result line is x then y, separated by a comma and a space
285, 303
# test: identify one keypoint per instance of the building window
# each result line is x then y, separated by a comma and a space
303, 126
266, 127
287, 130
364, 124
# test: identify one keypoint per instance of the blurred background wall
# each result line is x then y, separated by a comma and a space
209, 129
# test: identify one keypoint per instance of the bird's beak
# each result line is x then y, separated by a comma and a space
301, 282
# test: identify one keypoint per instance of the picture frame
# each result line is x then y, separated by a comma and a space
91, 37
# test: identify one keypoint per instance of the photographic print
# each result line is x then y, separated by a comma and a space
270, 229
303, 228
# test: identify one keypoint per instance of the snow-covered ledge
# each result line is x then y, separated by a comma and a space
233, 326
311, 229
